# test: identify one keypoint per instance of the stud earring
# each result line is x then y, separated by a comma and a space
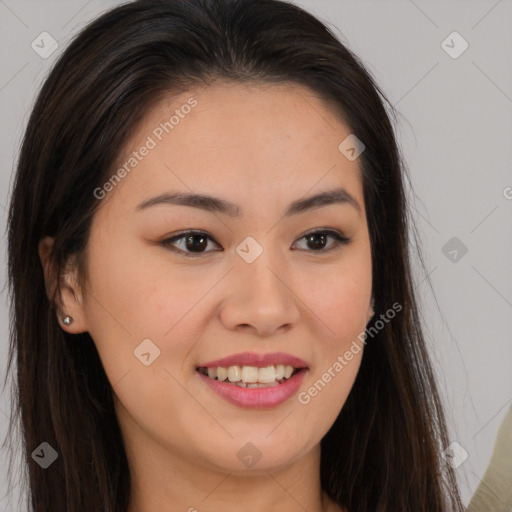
67, 320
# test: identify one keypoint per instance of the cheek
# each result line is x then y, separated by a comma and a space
340, 301
130, 293
330, 381
133, 300
339, 297
120, 307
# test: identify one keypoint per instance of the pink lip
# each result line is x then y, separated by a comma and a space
256, 398
258, 360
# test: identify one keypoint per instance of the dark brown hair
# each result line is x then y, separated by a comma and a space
383, 451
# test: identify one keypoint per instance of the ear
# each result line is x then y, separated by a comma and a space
371, 311
70, 301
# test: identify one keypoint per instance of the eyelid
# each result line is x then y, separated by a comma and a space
167, 243
336, 234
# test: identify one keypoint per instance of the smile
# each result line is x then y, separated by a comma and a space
251, 376
255, 394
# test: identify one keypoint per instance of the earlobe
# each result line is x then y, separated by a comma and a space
62, 291
371, 312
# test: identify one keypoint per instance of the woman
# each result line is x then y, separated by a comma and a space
210, 278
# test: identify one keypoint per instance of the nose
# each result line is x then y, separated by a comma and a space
260, 298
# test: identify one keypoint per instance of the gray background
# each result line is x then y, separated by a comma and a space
455, 129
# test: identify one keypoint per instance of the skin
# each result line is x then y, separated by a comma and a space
261, 147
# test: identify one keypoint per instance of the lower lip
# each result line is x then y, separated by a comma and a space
257, 398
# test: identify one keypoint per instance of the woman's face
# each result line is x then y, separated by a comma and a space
254, 283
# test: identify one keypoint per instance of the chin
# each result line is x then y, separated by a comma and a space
259, 452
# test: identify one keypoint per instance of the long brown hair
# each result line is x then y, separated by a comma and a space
383, 451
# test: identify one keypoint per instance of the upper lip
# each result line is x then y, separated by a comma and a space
258, 360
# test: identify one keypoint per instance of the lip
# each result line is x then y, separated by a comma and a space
256, 398
257, 360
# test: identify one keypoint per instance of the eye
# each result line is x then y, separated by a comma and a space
317, 239
195, 242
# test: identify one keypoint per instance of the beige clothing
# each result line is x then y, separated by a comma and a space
494, 493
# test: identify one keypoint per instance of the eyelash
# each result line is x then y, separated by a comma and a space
340, 241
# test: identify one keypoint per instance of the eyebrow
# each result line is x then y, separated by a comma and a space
215, 204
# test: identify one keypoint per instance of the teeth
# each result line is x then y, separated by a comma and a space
256, 385
267, 374
234, 374
222, 373
251, 376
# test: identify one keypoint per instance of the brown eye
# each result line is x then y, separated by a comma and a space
192, 243
316, 241
196, 243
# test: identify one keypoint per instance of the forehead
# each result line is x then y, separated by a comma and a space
256, 140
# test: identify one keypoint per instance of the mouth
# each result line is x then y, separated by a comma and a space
251, 376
